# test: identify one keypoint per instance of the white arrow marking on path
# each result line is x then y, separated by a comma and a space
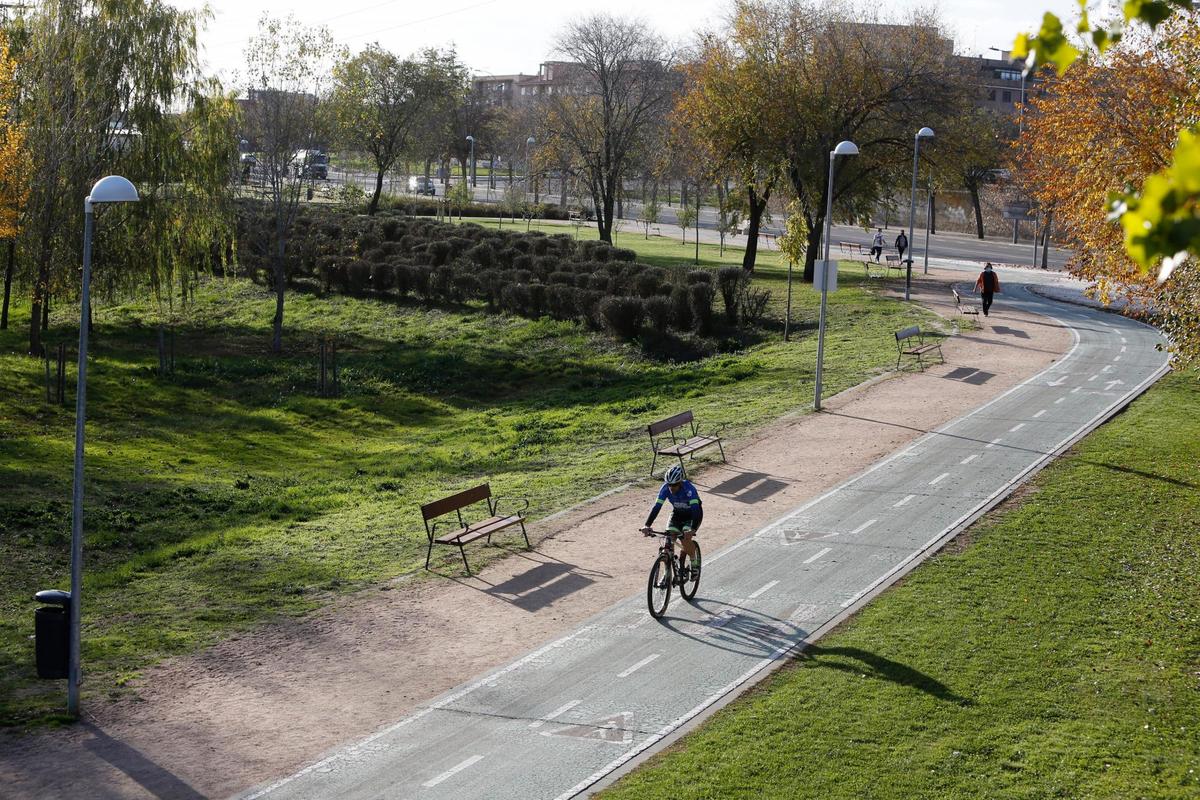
1058, 382
1108, 386
1107, 368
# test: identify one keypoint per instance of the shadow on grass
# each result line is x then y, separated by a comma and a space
858, 661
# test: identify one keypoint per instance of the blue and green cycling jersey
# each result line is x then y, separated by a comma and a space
685, 504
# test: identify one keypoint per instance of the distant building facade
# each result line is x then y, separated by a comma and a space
516, 91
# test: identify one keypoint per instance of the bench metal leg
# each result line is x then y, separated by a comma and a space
428, 553
653, 463
528, 546
463, 551
721, 447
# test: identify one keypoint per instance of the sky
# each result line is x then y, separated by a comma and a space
510, 36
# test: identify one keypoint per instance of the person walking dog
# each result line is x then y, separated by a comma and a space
987, 284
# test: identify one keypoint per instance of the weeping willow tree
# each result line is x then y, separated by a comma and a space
113, 86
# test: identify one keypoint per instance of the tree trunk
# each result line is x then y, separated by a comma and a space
562, 200
973, 188
813, 251
373, 206
1046, 239
757, 206
46, 314
8, 276
39, 288
277, 324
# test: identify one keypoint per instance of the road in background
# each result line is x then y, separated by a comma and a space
561, 719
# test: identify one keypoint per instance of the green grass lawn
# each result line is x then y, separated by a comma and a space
1058, 655
231, 493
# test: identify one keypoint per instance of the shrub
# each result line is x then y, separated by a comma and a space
418, 279
544, 265
441, 283
561, 301
439, 253
599, 282
658, 313
483, 254
588, 301
515, 298
390, 228
376, 256
358, 277
752, 304
565, 278
730, 281
537, 301
623, 254
623, 315
522, 276
681, 308
700, 299
522, 262
383, 277
699, 276
583, 280
367, 240
465, 284
647, 283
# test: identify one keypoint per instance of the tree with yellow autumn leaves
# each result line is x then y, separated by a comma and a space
1105, 125
13, 181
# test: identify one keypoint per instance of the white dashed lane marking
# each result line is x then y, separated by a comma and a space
558, 712
1043, 411
638, 666
811, 559
450, 773
969, 458
904, 501
939, 479
1016, 427
763, 590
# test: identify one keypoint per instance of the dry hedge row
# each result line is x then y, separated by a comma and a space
529, 274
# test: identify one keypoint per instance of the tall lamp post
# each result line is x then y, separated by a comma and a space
528, 145
471, 139
842, 149
112, 189
924, 133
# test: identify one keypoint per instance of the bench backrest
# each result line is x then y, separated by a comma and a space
908, 333
456, 501
891, 258
670, 423
957, 297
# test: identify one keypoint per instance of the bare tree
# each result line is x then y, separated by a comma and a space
620, 91
285, 64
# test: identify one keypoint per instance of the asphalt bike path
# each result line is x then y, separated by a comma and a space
563, 718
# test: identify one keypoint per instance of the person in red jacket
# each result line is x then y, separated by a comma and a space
987, 284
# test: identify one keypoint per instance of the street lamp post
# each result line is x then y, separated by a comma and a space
528, 145
471, 139
112, 189
842, 149
924, 133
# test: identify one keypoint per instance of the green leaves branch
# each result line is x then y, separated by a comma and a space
1162, 222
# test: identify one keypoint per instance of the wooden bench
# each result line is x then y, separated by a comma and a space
468, 532
963, 308
680, 446
893, 262
919, 350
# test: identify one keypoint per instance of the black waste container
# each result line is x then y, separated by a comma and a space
52, 632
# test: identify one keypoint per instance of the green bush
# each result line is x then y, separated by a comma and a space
681, 308
700, 300
623, 315
729, 281
658, 313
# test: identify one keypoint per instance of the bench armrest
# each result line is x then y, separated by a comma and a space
499, 500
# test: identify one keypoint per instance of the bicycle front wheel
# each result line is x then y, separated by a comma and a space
691, 578
658, 588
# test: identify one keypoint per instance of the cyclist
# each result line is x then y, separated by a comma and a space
687, 512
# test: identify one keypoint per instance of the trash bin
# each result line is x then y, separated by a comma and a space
52, 633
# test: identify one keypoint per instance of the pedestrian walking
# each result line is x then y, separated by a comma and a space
987, 284
877, 244
901, 245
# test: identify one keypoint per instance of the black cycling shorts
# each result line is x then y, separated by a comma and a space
686, 518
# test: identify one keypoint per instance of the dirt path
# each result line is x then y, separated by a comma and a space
261, 706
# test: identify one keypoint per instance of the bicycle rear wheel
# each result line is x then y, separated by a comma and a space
658, 587
690, 582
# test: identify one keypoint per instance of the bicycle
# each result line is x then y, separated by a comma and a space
670, 569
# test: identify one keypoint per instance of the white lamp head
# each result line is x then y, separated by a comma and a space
925, 133
113, 189
845, 149
529, 140
470, 138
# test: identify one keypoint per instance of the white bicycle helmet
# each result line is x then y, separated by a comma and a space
674, 475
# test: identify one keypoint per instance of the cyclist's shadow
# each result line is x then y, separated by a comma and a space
735, 629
